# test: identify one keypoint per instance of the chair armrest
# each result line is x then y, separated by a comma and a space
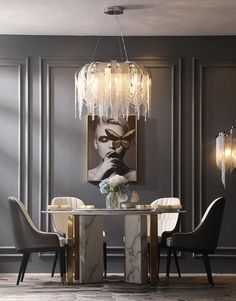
167, 234
60, 233
192, 241
44, 240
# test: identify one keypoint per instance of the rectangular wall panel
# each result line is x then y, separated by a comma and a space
13, 141
214, 98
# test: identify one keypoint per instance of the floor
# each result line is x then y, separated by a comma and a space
189, 288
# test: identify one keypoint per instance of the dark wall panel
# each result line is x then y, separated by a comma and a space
215, 103
14, 148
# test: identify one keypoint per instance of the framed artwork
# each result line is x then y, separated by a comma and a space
111, 148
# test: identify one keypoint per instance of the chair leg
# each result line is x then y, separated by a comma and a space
21, 269
177, 263
208, 268
148, 257
27, 255
158, 260
54, 263
62, 263
105, 258
169, 250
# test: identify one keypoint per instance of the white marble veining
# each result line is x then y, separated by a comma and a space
91, 249
136, 254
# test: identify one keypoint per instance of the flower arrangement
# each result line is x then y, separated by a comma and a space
114, 184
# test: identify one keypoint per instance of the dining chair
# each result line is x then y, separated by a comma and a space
204, 238
60, 225
168, 223
28, 239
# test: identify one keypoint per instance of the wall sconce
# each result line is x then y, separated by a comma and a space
226, 152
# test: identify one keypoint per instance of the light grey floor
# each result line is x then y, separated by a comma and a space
189, 288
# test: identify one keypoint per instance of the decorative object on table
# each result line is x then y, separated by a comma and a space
87, 207
143, 207
116, 187
112, 148
113, 89
226, 152
133, 201
127, 205
134, 197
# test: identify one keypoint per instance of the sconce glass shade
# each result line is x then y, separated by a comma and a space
226, 153
113, 89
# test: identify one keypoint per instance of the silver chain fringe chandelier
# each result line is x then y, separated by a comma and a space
113, 89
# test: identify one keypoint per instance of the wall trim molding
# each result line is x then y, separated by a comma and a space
24, 173
198, 66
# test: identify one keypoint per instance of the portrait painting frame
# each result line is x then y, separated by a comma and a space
112, 148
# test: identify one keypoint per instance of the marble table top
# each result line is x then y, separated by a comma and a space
103, 211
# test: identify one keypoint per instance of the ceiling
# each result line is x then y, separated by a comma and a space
141, 17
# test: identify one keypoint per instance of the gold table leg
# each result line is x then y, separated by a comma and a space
76, 248
70, 250
153, 249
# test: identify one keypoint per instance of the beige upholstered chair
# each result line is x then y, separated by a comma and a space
168, 223
59, 223
28, 239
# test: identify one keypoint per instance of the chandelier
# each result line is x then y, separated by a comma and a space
113, 89
226, 152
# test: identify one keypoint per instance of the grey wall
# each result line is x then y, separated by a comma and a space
43, 148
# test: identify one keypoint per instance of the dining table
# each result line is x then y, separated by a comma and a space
85, 243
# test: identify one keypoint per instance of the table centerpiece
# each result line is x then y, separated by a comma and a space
116, 188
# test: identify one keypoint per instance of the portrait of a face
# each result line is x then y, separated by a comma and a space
112, 148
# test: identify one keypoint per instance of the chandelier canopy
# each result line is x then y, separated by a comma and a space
113, 89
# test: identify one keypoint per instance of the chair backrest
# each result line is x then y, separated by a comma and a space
59, 221
166, 221
23, 228
210, 224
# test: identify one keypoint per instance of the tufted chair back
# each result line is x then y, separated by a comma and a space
166, 221
59, 221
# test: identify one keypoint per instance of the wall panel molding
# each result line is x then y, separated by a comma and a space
199, 66
21, 64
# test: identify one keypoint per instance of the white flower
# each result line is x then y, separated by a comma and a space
114, 184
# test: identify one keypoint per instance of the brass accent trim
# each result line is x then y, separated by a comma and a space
153, 249
76, 246
70, 250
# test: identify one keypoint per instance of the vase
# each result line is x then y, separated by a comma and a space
114, 200
111, 201
121, 198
